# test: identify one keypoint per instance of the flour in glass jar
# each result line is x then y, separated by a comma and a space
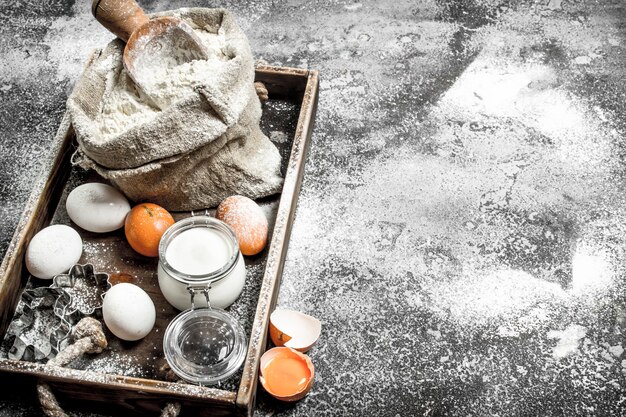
198, 251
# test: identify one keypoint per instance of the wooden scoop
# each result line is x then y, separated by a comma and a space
152, 45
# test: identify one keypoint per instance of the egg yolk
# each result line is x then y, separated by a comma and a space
286, 376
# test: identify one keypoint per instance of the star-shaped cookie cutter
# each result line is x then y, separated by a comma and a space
85, 287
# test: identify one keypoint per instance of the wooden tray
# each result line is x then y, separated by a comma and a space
293, 95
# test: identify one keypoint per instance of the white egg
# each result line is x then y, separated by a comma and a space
128, 311
52, 251
97, 207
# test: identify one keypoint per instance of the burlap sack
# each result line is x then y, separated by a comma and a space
192, 154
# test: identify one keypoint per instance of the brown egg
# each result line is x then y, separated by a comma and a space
247, 220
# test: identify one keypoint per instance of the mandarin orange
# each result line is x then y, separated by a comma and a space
144, 226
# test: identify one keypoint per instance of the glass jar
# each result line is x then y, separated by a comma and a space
179, 266
204, 346
201, 270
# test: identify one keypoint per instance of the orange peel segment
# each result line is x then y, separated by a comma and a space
286, 374
294, 329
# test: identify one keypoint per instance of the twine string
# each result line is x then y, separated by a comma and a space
88, 338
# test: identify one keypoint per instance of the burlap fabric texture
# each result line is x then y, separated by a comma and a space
194, 153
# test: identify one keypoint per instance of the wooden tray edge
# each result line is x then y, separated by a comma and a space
280, 243
29, 224
68, 375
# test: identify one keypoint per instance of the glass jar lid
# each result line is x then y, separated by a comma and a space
204, 346
214, 225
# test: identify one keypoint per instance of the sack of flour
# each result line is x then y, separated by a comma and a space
195, 139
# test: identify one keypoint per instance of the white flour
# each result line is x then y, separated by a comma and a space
567, 340
126, 106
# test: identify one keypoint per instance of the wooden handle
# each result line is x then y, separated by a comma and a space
121, 17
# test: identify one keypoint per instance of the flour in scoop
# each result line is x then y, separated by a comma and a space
198, 251
126, 106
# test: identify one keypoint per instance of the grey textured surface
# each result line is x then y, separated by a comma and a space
461, 227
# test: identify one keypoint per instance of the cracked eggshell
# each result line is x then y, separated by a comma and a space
53, 250
97, 207
288, 354
128, 312
294, 329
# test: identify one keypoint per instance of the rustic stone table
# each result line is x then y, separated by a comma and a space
461, 230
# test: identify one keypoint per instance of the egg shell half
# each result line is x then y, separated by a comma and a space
128, 311
248, 222
97, 207
285, 352
294, 329
53, 250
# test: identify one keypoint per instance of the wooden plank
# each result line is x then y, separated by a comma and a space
279, 244
130, 394
283, 82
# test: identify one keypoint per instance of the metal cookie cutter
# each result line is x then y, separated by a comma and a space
45, 316
85, 287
